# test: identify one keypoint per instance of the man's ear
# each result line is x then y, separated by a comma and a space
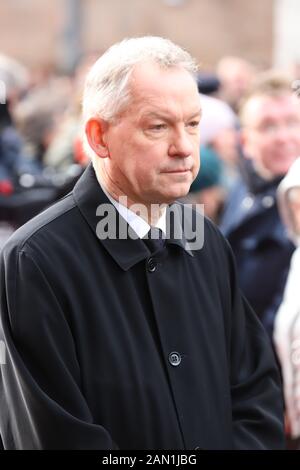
95, 130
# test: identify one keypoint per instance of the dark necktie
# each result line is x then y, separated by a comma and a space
155, 239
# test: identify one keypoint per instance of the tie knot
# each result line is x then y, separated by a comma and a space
155, 239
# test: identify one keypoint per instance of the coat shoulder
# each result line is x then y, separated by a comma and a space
50, 220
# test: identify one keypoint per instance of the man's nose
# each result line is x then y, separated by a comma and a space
180, 145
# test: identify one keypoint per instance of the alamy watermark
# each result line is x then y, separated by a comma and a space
182, 222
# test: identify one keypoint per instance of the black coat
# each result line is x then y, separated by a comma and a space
258, 238
90, 326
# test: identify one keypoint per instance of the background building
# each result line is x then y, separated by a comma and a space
43, 32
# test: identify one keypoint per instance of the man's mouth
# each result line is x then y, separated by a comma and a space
184, 170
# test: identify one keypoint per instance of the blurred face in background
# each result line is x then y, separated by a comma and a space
226, 145
271, 133
236, 76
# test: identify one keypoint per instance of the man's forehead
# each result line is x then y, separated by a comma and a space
264, 106
161, 111
152, 78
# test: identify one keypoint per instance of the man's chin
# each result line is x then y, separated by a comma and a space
176, 194
284, 163
282, 169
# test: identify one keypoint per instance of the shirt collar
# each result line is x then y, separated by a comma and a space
137, 223
89, 196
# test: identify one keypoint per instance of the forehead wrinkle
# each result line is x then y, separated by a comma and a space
167, 114
150, 102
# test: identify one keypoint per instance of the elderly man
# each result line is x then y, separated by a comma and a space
133, 342
270, 138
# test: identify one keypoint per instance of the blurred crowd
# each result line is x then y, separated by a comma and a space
249, 180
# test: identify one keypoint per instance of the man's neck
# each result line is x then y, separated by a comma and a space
151, 213
263, 172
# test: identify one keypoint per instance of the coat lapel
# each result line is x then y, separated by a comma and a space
122, 244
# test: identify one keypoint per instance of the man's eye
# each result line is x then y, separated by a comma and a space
158, 127
194, 123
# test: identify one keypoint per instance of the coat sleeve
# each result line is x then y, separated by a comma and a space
42, 403
257, 404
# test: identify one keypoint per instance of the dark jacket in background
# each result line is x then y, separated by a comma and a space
13, 160
252, 225
109, 346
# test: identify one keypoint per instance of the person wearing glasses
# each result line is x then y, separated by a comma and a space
270, 142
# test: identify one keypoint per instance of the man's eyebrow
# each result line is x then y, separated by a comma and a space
166, 116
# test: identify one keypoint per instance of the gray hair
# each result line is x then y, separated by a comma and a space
106, 91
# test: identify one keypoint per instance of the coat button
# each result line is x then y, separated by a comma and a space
151, 265
247, 202
174, 359
267, 202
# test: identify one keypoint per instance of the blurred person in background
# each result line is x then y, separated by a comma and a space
219, 156
287, 321
219, 132
41, 113
66, 147
25, 189
14, 160
207, 188
236, 76
208, 83
270, 139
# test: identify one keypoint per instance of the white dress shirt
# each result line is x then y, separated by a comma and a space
137, 223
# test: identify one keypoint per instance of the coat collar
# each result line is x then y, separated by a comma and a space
89, 198
254, 182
